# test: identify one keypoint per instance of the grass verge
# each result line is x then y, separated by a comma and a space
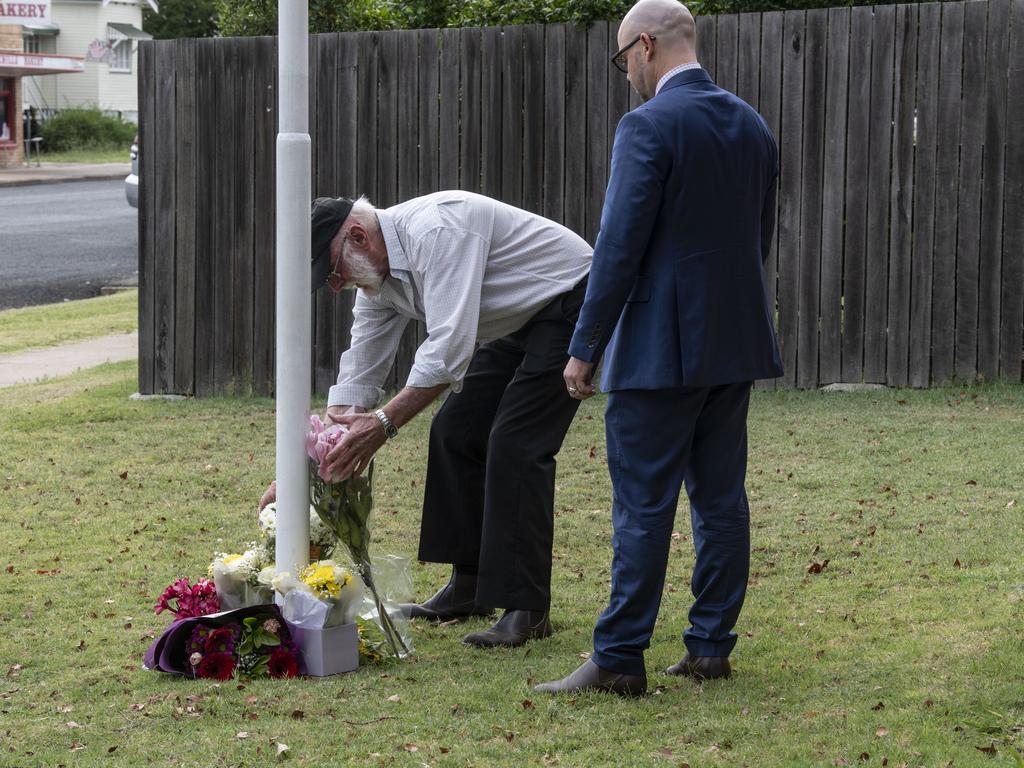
904, 650
87, 156
50, 325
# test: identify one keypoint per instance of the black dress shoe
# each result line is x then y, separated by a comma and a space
512, 630
701, 667
590, 677
455, 600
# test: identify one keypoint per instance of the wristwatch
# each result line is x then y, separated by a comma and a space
390, 430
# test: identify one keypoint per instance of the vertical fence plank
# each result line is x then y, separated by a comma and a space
809, 282
223, 223
1011, 330
183, 373
241, 230
448, 116
855, 236
428, 84
968, 240
749, 56
387, 120
408, 138
834, 185
990, 257
707, 34
927, 101
207, 78
325, 184
533, 118
901, 198
512, 116
366, 107
147, 215
597, 127
575, 147
618, 93
491, 116
470, 71
947, 171
791, 164
879, 173
726, 65
769, 104
164, 230
265, 89
554, 121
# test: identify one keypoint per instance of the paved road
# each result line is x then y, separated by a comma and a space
65, 241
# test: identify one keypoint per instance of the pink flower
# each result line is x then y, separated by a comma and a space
272, 625
186, 600
320, 440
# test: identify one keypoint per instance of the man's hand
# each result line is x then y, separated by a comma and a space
269, 495
352, 455
577, 377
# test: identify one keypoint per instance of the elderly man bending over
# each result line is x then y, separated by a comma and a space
500, 291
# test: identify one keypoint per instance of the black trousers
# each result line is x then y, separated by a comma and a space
490, 487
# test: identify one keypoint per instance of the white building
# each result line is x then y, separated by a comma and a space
106, 34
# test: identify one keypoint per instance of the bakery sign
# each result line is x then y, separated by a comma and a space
24, 13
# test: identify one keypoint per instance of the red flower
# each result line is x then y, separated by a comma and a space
220, 640
283, 663
219, 666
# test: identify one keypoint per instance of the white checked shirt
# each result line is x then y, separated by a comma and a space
473, 269
672, 73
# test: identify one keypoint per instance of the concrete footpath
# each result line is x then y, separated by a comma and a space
53, 173
37, 364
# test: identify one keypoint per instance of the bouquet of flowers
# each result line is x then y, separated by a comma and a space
325, 594
186, 600
322, 540
345, 508
247, 642
243, 579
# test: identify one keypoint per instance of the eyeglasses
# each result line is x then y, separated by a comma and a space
619, 59
334, 273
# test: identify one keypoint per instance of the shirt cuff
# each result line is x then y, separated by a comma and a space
425, 377
355, 394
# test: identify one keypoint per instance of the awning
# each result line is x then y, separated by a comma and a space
19, 64
126, 32
41, 30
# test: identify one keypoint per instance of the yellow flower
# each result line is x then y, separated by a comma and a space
320, 579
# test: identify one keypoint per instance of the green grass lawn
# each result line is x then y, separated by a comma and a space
89, 156
52, 324
905, 650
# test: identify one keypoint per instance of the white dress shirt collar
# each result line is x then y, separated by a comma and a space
673, 72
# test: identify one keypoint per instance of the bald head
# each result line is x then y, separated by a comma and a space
668, 21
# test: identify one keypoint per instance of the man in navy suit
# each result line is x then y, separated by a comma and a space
678, 276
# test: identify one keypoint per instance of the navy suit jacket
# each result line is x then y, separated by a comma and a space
678, 269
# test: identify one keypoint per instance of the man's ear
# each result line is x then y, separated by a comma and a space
358, 235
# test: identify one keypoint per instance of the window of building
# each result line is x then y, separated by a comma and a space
6, 111
32, 44
121, 56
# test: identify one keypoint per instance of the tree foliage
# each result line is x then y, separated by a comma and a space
181, 18
259, 17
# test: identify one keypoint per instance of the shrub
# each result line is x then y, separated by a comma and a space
86, 128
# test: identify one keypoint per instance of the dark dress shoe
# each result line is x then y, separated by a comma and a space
701, 667
590, 677
455, 600
512, 630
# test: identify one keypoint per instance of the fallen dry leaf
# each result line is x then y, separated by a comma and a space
411, 748
816, 567
395, 698
298, 714
282, 750
878, 706
527, 704
242, 735
883, 731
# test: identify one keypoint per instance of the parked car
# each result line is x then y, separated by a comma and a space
131, 181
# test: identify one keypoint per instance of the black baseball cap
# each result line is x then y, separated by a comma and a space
329, 213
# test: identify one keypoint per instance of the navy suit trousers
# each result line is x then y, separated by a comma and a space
659, 440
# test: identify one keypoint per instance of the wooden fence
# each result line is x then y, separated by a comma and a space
899, 255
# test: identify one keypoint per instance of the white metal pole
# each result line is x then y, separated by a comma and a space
293, 277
